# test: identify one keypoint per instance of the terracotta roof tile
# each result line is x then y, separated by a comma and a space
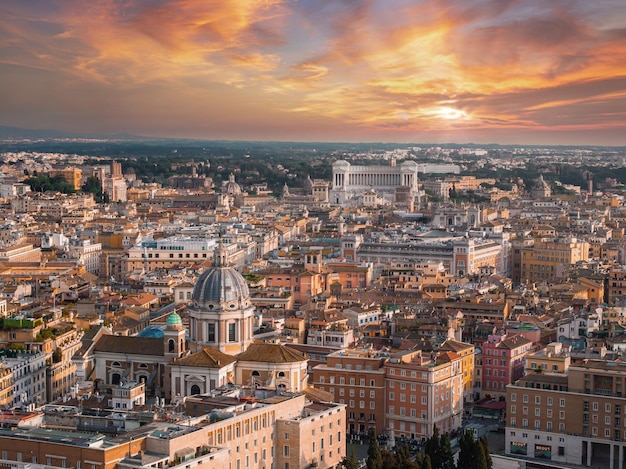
208, 357
271, 353
131, 345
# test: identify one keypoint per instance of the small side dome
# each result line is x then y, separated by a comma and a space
174, 319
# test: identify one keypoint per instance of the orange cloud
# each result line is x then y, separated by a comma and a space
404, 65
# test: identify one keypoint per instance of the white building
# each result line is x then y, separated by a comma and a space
352, 181
87, 254
29, 377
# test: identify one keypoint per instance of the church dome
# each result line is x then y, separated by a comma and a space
231, 187
221, 285
174, 319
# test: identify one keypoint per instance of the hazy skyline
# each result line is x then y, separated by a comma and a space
483, 71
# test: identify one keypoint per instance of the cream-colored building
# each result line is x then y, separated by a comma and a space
570, 414
352, 181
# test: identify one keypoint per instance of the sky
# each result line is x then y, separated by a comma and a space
463, 71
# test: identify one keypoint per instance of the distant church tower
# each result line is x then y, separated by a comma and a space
541, 189
221, 314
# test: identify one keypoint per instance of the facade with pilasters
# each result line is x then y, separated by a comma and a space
350, 181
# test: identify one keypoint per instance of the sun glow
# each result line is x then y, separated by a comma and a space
449, 113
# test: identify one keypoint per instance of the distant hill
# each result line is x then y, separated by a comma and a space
18, 133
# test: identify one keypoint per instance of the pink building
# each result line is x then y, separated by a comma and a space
502, 363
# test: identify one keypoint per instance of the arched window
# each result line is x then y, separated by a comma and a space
116, 378
142, 365
195, 389
256, 373
281, 374
116, 365
171, 345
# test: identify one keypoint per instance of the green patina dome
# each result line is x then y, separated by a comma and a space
174, 320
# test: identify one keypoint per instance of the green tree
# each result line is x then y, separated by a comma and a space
424, 461
403, 456
374, 455
465, 451
484, 444
350, 462
431, 448
446, 456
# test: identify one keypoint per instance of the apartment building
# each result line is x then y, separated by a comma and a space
29, 376
617, 284
357, 379
547, 258
6, 385
162, 253
407, 392
423, 390
503, 358
569, 413
466, 352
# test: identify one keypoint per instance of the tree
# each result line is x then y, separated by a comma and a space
484, 444
93, 185
474, 454
350, 462
446, 456
424, 461
465, 451
431, 447
439, 449
374, 455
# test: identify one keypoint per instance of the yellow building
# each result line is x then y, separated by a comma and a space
466, 352
547, 258
73, 176
552, 359
6, 386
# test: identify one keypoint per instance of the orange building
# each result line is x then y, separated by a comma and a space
423, 391
356, 378
349, 275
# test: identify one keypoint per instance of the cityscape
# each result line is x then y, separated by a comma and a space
288, 234
223, 289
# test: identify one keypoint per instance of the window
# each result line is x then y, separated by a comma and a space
525, 398
211, 332
231, 332
562, 403
286, 451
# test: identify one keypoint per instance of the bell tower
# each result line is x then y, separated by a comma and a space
174, 342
